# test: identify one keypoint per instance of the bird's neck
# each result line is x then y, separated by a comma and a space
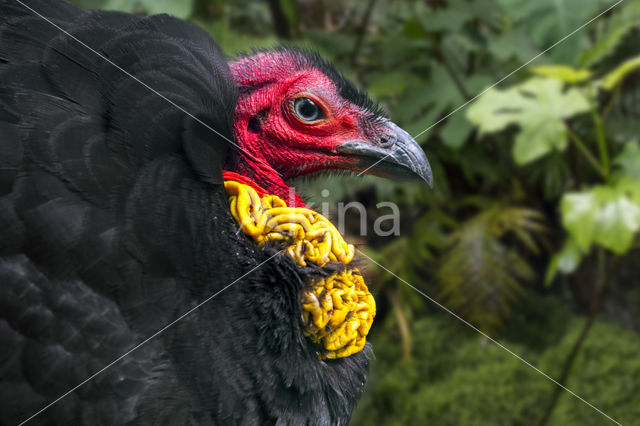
248, 160
264, 179
248, 165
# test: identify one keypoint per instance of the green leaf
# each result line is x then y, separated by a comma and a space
233, 42
578, 214
615, 223
563, 73
480, 276
615, 77
629, 159
411, 103
538, 106
449, 19
537, 138
391, 83
121, 5
456, 131
443, 91
565, 261
606, 45
512, 44
433, 100
495, 110
604, 215
413, 29
180, 9
616, 28
548, 21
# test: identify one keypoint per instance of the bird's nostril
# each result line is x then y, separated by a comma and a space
386, 140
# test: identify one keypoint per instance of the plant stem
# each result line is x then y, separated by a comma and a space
454, 77
403, 325
602, 141
281, 25
582, 147
604, 272
611, 103
362, 30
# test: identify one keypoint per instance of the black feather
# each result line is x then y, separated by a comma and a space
114, 222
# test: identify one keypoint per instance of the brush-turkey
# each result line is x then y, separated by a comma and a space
129, 149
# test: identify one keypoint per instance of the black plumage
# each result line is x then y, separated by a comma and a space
114, 222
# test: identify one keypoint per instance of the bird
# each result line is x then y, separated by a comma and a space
130, 293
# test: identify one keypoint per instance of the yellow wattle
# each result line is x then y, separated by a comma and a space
338, 310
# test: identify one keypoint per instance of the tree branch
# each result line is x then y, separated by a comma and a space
582, 147
454, 77
362, 30
604, 271
281, 23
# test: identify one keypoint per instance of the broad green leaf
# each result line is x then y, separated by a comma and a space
615, 77
121, 5
511, 44
604, 215
563, 73
233, 42
444, 20
413, 29
412, 102
180, 9
90, 4
548, 21
455, 131
478, 82
629, 159
391, 83
630, 187
434, 99
444, 92
538, 106
565, 261
578, 217
615, 223
549, 96
496, 109
538, 138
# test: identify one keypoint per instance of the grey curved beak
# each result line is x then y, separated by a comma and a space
396, 156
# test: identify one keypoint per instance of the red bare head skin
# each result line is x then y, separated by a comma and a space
296, 115
280, 144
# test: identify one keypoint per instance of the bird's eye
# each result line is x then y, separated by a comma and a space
307, 110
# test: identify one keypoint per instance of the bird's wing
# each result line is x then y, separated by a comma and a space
134, 82
107, 174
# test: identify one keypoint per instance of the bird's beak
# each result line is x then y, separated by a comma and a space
396, 156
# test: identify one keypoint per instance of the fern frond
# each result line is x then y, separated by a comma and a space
479, 275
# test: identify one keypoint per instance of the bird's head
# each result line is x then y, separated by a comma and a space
297, 115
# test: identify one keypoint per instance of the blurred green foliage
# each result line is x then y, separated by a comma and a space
456, 377
532, 227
